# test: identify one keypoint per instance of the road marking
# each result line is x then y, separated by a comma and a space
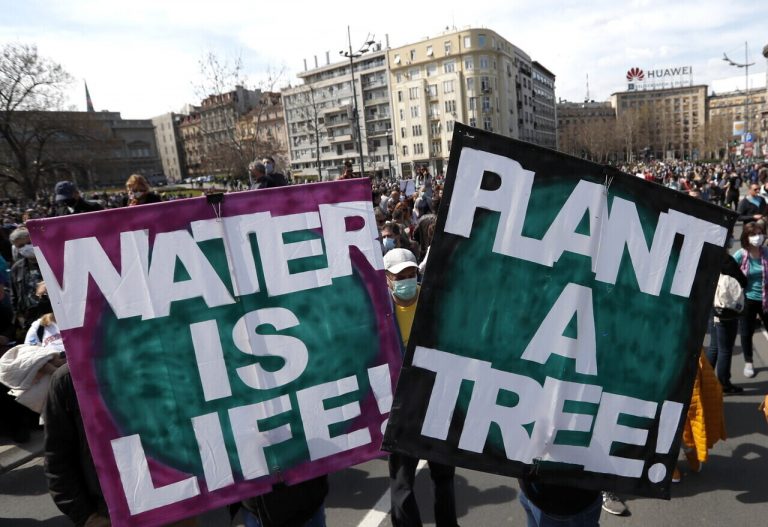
380, 511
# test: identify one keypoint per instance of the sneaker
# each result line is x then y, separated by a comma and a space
749, 371
676, 476
612, 504
731, 388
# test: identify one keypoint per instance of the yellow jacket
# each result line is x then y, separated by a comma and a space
705, 423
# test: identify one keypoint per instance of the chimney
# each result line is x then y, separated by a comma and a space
386, 39
327, 57
305, 64
316, 61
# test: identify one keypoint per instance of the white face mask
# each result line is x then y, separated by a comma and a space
138, 194
757, 240
27, 251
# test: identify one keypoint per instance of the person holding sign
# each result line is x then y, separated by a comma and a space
402, 271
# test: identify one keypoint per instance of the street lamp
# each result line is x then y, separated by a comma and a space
389, 158
353, 55
746, 66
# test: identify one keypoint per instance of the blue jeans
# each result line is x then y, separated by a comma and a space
722, 337
318, 520
589, 517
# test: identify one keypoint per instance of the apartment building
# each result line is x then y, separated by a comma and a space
474, 76
219, 115
263, 129
725, 109
169, 145
322, 122
192, 143
665, 123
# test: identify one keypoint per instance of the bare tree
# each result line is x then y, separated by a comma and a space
717, 136
306, 106
30, 86
237, 122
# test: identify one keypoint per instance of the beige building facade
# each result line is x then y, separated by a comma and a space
725, 109
168, 139
473, 76
664, 123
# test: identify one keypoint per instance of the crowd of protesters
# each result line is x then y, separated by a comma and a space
406, 216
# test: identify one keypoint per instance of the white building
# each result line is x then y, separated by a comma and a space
320, 118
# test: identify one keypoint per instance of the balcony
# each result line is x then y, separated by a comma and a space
346, 138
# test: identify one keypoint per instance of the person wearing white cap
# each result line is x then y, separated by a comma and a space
401, 269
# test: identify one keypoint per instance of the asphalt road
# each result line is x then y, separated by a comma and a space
730, 490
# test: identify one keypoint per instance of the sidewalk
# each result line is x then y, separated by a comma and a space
13, 455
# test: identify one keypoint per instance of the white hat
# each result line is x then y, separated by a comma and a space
398, 259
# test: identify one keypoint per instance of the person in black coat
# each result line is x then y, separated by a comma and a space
69, 469
752, 207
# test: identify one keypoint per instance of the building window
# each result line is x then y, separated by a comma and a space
448, 86
450, 106
437, 148
413, 54
480, 41
429, 51
469, 63
402, 114
405, 150
414, 73
467, 42
434, 127
415, 111
486, 103
399, 95
418, 148
487, 124
416, 129
472, 103
449, 127
431, 70
432, 90
447, 47
434, 109
484, 62
402, 132
413, 93
449, 66
470, 83
397, 58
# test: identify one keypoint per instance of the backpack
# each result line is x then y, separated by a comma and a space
729, 298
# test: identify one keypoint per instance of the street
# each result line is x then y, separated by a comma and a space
730, 489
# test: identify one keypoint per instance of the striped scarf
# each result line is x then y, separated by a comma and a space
764, 262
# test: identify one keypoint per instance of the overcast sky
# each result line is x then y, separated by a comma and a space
142, 57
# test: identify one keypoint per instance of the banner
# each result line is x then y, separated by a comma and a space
560, 320
220, 348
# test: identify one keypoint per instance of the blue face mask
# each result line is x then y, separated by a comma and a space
269, 168
388, 243
404, 289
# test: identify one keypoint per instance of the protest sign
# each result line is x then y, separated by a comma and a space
560, 320
220, 348
407, 187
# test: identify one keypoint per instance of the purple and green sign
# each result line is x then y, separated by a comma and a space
220, 348
560, 320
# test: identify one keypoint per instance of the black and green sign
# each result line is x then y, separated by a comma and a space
560, 320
